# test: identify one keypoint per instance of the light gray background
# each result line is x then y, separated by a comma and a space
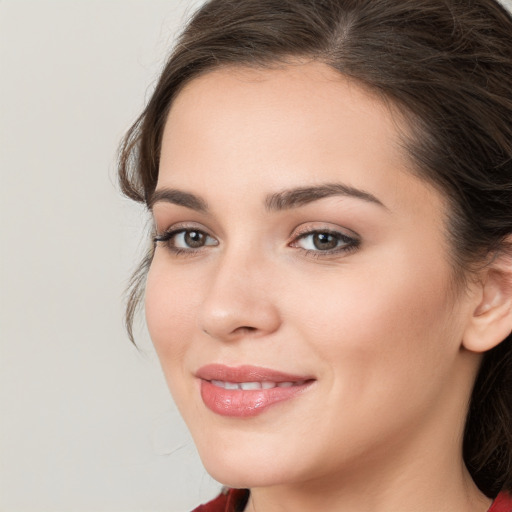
86, 422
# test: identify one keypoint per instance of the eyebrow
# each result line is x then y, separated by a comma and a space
301, 196
180, 198
278, 201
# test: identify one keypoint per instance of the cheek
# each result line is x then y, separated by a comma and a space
390, 322
171, 316
385, 341
170, 313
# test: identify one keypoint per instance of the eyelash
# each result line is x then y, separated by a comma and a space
349, 244
168, 236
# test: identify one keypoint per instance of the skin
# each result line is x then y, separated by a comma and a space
380, 326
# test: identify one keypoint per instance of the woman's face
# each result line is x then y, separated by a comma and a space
301, 298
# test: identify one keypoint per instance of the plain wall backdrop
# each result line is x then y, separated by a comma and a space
86, 421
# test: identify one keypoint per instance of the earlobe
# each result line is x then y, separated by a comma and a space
491, 321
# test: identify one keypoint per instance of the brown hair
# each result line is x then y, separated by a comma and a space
447, 64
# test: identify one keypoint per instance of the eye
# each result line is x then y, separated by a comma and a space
192, 239
326, 241
186, 239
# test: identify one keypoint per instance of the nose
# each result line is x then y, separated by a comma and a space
239, 301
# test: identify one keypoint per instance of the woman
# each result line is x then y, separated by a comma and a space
330, 286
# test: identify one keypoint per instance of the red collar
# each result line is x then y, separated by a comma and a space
502, 503
229, 500
234, 500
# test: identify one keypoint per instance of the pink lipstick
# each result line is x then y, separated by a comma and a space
245, 391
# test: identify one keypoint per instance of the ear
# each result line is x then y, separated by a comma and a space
491, 321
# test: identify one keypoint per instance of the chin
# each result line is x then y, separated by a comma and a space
243, 476
239, 467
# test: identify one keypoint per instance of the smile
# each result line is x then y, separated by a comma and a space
246, 386
247, 391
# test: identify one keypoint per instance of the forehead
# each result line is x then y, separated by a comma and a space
263, 130
301, 100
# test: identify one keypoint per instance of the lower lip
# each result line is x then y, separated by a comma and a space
245, 403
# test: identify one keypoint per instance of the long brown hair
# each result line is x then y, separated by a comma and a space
447, 64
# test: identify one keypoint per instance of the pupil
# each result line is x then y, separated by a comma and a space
324, 241
194, 239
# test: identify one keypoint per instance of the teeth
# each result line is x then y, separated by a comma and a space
250, 385
247, 386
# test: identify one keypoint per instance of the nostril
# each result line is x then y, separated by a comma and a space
245, 328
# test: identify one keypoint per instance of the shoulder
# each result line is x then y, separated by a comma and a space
229, 500
502, 503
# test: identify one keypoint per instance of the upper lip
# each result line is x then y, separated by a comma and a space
246, 373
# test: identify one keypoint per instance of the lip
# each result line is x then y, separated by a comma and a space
246, 403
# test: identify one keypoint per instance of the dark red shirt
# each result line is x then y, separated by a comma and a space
235, 500
229, 500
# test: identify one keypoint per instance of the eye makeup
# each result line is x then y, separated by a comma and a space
318, 242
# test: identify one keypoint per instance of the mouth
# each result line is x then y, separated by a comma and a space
246, 391
247, 386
